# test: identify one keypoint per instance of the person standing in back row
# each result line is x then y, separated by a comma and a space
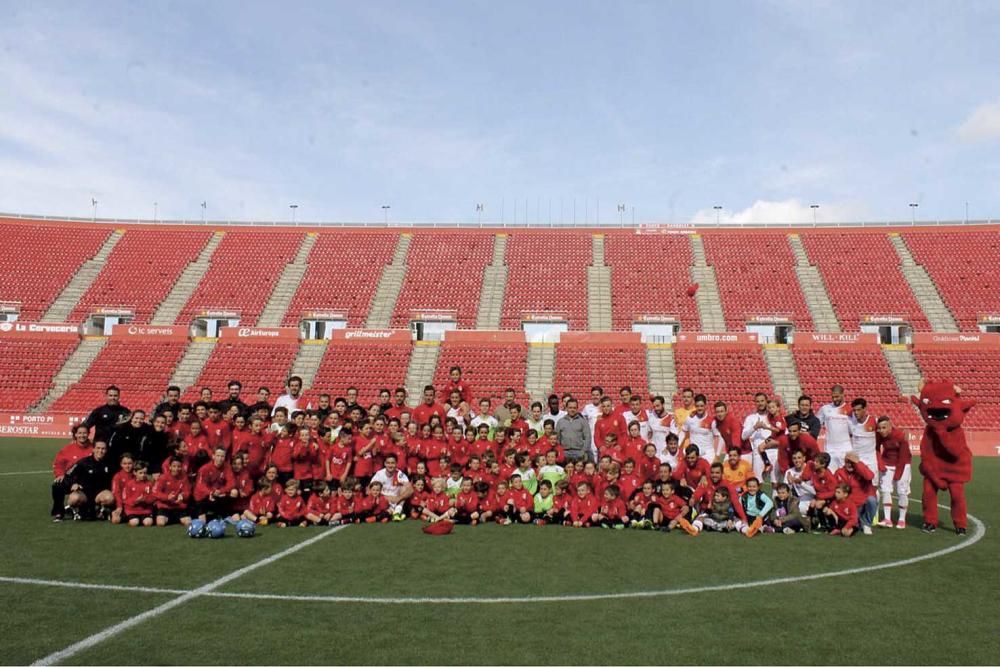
103, 419
835, 417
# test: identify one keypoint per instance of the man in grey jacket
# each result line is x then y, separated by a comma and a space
573, 432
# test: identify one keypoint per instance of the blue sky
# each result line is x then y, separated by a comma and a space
433, 107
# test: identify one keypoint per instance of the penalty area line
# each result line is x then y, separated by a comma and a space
187, 596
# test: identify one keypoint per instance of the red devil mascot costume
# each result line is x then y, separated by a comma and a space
945, 459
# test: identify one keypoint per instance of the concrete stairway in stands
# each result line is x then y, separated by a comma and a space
389, 286
420, 372
541, 370
81, 281
784, 375
814, 289
494, 287
598, 288
904, 368
707, 297
76, 365
291, 277
661, 371
307, 360
923, 288
189, 368
187, 283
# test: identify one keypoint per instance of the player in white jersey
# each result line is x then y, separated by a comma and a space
802, 488
698, 431
835, 418
863, 427
635, 413
756, 431
661, 423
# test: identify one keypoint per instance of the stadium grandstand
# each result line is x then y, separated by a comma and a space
537, 310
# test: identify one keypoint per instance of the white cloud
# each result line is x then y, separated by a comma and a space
982, 125
778, 213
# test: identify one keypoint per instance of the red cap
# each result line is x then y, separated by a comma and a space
439, 528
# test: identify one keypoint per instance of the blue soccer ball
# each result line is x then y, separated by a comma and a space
245, 528
196, 528
216, 529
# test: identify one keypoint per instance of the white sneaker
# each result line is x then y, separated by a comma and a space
867, 530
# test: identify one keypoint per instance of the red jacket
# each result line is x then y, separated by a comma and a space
693, 475
68, 456
825, 482
860, 481
118, 483
467, 502
138, 497
613, 423
319, 505
613, 509
893, 451
167, 486
702, 496
523, 500
211, 479
292, 508
262, 505
846, 511
581, 509
281, 453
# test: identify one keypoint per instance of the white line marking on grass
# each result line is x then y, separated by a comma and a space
25, 472
201, 591
979, 530
98, 587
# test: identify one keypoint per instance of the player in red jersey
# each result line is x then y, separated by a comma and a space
437, 504
456, 383
172, 492
318, 509
691, 471
345, 506
702, 498
860, 478
729, 429
823, 482
466, 503
138, 498
675, 512
520, 502
118, 482
644, 508
429, 408
892, 449
217, 429
609, 421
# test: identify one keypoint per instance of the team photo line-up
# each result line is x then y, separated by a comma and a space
455, 459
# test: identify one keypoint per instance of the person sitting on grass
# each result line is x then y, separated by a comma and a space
787, 515
613, 513
263, 504
437, 504
721, 515
582, 508
291, 507
757, 505
173, 493
841, 512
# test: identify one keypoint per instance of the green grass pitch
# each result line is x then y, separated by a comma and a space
932, 611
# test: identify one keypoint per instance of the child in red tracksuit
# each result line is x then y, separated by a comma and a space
842, 513
644, 509
263, 504
172, 491
291, 507
520, 502
466, 503
344, 506
487, 506
138, 498
560, 503
612, 513
318, 508
825, 484
437, 504
861, 479
582, 508
375, 507
243, 484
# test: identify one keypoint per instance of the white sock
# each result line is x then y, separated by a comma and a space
902, 513
887, 512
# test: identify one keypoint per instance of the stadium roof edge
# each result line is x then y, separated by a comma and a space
418, 224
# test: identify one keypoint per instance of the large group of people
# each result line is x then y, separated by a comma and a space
630, 462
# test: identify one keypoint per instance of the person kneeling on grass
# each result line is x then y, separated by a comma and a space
138, 497
787, 515
842, 513
757, 506
721, 516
